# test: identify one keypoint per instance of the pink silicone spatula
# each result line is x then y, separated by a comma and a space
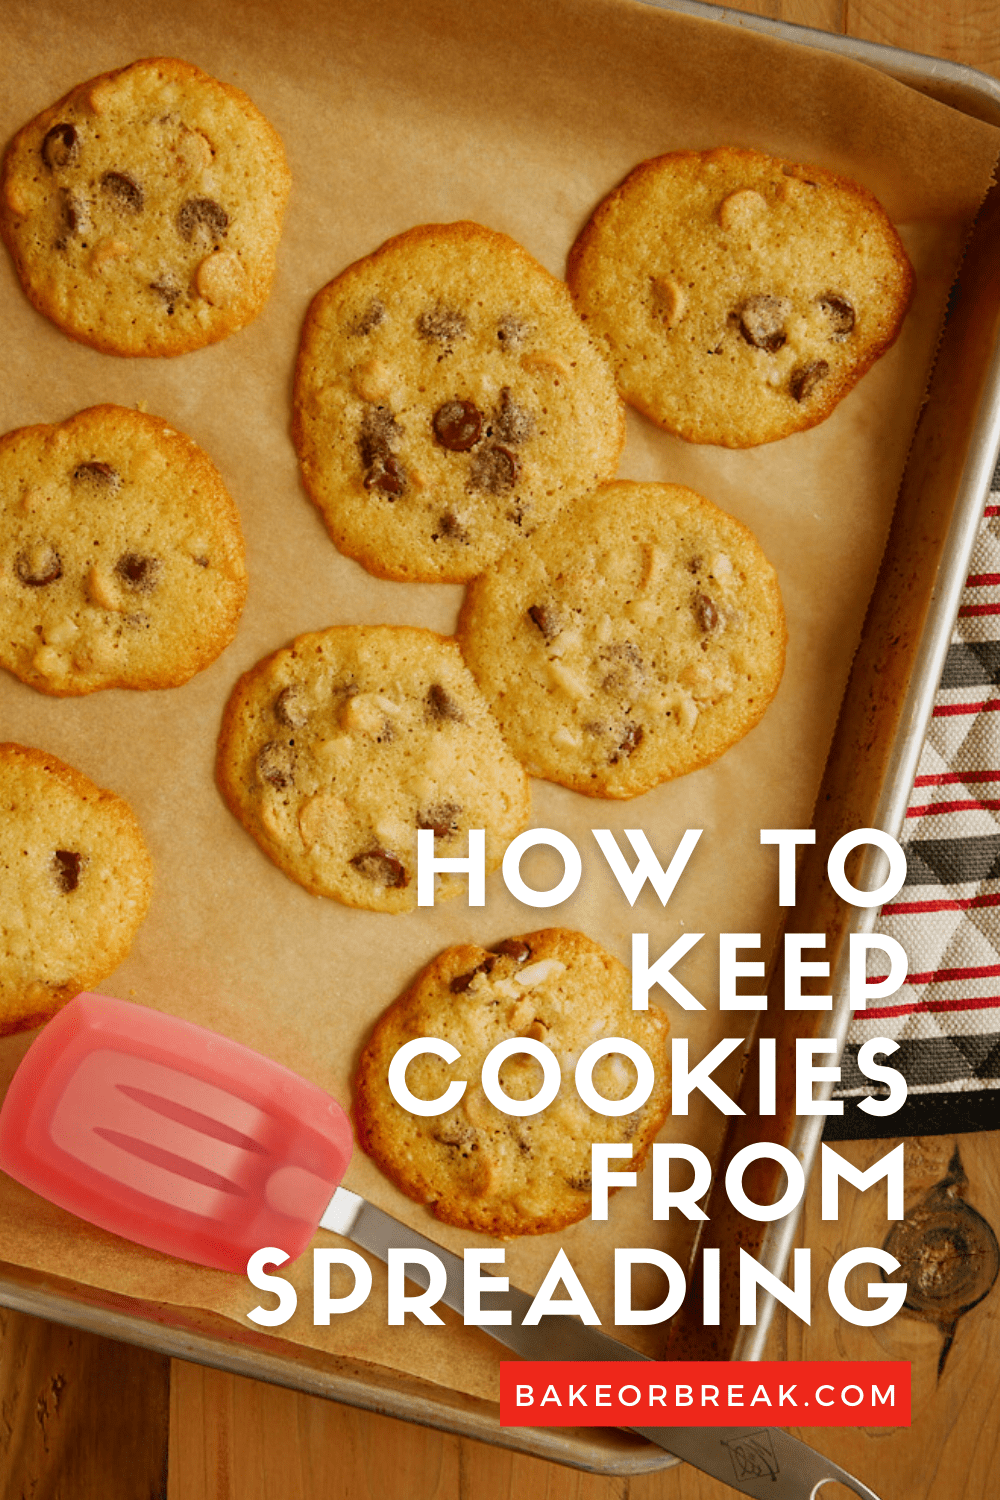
182, 1140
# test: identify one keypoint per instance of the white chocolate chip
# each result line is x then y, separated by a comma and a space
687, 713
741, 209
364, 714
507, 989
194, 152
32, 500
220, 279
567, 680
544, 362
373, 380
671, 302
49, 662
538, 973
521, 1015
103, 590
61, 633
105, 252
322, 818
721, 567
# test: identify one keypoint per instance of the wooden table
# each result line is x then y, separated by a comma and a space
83, 1418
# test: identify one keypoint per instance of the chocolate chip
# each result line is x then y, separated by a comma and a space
461, 982
512, 423
706, 613
378, 435
626, 665
373, 315
276, 764
382, 868
762, 322
74, 216
451, 527
631, 739
290, 707
139, 571
202, 217
581, 1184
442, 705
514, 948
443, 325
388, 475
38, 566
548, 619
66, 869
124, 192
169, 291
841, 315
804, 380
458, 425
61, 146
98, 475
512, 331
494, 470
442, 819
460, 1136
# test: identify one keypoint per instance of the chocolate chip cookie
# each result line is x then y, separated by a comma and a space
75, 881
121, 554
335, 751
448, 401
640, 637
477, 1167
739, 296
143, 210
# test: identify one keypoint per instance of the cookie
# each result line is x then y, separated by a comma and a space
477, 1167
640, 637
143, 210
337, 749
447, 402
75, 880
739, 296
121, 554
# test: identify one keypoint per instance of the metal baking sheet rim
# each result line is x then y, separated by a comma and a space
975, 94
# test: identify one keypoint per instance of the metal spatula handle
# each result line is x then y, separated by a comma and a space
765, 1462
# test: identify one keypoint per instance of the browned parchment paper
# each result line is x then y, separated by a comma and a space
519, 115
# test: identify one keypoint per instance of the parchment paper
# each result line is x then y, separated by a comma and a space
521, 116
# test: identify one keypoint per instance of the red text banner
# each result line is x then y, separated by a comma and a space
717, 1393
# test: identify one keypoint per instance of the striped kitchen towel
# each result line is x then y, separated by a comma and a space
946, 1017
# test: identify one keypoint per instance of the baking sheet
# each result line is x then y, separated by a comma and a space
521, 117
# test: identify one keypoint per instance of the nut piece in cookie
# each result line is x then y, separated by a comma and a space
643, 637
75, 879
121, 554
143, 210
448, 400
336, 751
477, 1167
739, 297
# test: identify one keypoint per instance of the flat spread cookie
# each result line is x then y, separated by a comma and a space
335, 751
476, 1166
143, 210
640, 637
121, 554
75, 879
739, 296
447, 401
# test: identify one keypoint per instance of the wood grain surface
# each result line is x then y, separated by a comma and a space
83, 1418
